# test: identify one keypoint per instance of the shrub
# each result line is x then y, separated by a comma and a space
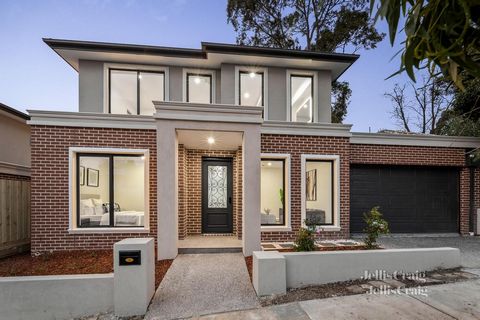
376, 226
305, 240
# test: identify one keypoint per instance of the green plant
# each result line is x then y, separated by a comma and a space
282, 196
376, 226
305, 240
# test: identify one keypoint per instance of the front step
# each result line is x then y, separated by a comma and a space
209, 250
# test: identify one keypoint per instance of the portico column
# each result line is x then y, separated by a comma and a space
251, 190
167, 218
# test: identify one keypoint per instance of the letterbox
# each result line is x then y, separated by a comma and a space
130, 258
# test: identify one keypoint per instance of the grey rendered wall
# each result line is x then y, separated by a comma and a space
277, 94
14, 140
176, 89
324, 110
227, 85
90, 89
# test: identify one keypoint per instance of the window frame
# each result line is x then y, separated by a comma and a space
304, 74
335, 160
284, 185
132, 67
138, 72
74, 191
240, 87
199, 72
286, 226
248, 69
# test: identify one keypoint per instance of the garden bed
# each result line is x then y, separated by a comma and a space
323, 245
68, 263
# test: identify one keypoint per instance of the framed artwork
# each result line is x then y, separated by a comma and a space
92, 177
311, 187
82, 175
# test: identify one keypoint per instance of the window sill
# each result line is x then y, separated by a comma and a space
328, 228
108, 230
275, 228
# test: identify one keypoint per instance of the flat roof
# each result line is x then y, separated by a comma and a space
210, 55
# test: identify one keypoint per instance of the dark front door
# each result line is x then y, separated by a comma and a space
217, 195
411, 199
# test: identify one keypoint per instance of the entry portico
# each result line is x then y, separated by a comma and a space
173, 117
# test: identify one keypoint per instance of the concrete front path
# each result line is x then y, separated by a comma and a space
459, 300
198, 284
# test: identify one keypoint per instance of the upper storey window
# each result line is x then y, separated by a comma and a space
132, 91
251, 88
199, 88
301, 97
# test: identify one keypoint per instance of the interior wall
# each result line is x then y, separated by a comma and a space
130, 185
272, 182
103, 179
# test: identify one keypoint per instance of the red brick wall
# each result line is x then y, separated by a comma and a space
296, 146
190, 223
420, 156
50, 185
406, 155
182, 206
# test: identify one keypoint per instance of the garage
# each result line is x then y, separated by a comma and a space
411, 199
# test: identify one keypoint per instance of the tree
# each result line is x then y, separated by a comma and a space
421, 114
441, 35
463, 118
314, 25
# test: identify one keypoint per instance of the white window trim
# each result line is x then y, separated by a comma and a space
291, 72
199, 71
287, 197
336, 189
72, 185
133, 67
265, 85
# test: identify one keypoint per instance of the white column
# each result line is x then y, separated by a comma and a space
251, 190
167, 189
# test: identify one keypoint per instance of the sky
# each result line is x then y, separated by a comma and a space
32, 76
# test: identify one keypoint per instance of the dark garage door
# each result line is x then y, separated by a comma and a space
411, 199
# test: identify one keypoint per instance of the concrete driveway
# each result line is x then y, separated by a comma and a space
469, 246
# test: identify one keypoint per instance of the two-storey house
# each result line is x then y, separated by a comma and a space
227, 140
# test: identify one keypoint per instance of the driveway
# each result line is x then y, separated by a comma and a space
469, 246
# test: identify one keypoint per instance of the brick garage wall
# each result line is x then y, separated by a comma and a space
419, 156
296, 146
190, 223
50, 211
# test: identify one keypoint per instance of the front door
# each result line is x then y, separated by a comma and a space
217, 184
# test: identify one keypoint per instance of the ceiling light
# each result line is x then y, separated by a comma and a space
246, 95
305, 106
252, 74
269, 164
211, 140
142, 157
196, 80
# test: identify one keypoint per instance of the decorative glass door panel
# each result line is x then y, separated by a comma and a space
217, 186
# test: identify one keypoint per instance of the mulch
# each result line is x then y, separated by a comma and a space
68, 262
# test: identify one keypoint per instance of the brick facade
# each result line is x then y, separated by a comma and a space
50, 185
296, 146
190, 193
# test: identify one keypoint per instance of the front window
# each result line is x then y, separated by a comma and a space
132, 91
110, 190
199, 88
301, 98
319, 192
251, 89
272, 192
